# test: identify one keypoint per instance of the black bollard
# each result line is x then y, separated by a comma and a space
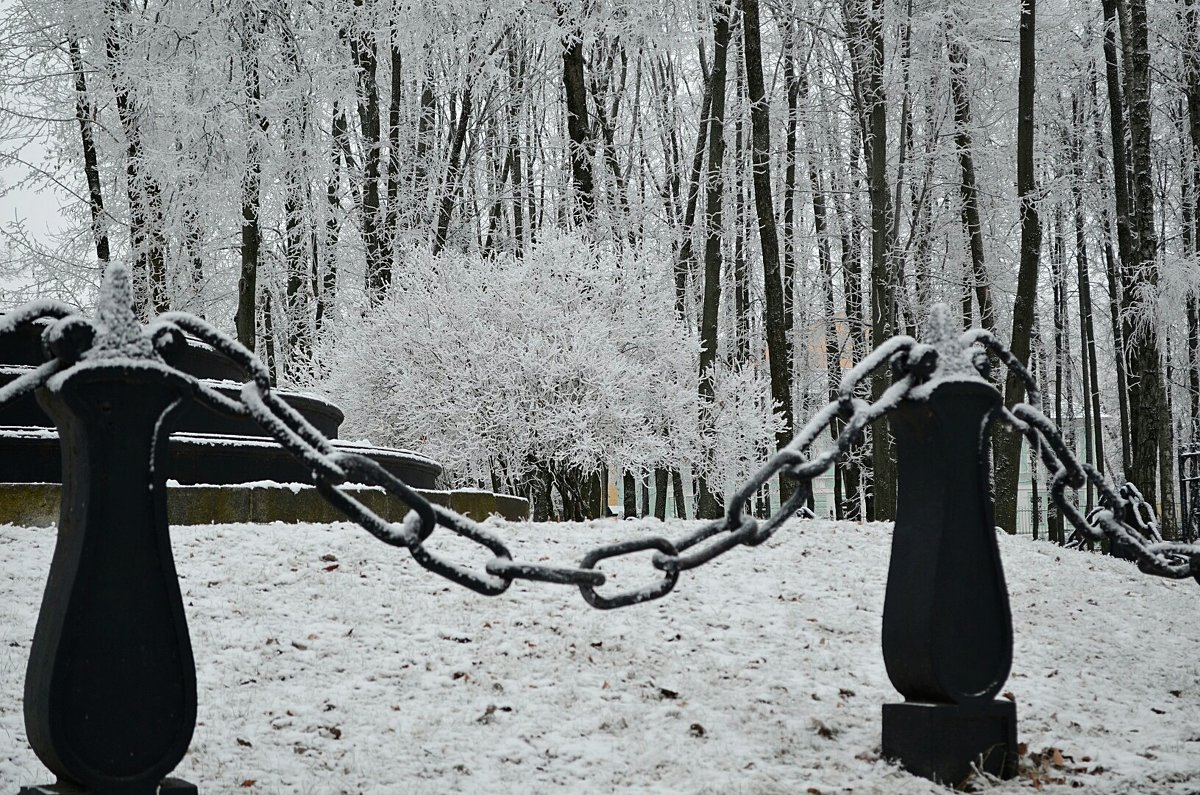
947, 629
110, 693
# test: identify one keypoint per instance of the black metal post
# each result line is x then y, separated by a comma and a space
947, 629
110, 693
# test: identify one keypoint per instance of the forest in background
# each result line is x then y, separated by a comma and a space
642, 235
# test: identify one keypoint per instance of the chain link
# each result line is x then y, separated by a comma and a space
912, 363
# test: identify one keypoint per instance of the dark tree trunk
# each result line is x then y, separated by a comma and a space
1149, 427
247, 307
325, 281
709, 503
1008, 448
453, 174
578, 127
1191, 190
378, 267
685, 259
516, 77
391, 219
968, 192
776, 326
146, 223
792, 83
864, 26
1093, 439
85, 114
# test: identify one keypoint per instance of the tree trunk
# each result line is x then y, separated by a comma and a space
247, 307
146, 221
85, 114
709, 503
389, 235
453, 174
578, 128
378, 268
864, 26
968, 192
1093, 438
776, 327
1008, 449
1149, 427
685, 259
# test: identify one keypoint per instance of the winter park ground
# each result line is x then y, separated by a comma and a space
328, 663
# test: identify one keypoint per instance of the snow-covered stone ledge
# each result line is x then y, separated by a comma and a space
37, 504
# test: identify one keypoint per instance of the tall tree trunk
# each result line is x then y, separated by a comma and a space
256, 133
968, 192
389, 235
516, 77
578, 128
864, 27
709, 503
792, 85
453, 174
1111, 269
146, 217
851, 268
685, 259
85, 114
774, 321
1190, 180
1149, 428
378, 268
1093, 439
1059, 287
1008, 448
325, 278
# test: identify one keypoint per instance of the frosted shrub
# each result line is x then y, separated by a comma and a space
563, 360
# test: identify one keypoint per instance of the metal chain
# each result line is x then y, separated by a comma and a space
912, 364
332, 468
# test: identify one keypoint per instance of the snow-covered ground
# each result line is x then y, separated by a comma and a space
329, 663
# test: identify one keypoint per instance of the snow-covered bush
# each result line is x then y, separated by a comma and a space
567, 358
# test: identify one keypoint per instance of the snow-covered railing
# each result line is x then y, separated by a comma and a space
110, 696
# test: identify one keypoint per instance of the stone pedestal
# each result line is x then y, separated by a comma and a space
943, 741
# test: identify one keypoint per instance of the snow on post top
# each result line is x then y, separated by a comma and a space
955, 360
118, 332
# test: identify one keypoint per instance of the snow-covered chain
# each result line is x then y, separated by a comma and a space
917, 368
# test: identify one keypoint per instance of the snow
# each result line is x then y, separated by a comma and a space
119, 334
761, 673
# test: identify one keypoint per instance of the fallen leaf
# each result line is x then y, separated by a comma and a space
1009, 695
822, 730
329, 557
244, 743
331, 567
250, 782
696, 730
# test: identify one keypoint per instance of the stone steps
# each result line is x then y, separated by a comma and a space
37, 504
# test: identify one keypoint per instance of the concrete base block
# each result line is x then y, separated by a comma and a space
942, 741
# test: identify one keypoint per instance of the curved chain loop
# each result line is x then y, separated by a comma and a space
639, 595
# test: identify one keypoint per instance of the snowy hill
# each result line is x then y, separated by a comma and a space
328, 663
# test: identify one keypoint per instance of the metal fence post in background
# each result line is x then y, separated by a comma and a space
110, 693
947, 629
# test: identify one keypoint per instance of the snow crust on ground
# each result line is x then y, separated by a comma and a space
328, 663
